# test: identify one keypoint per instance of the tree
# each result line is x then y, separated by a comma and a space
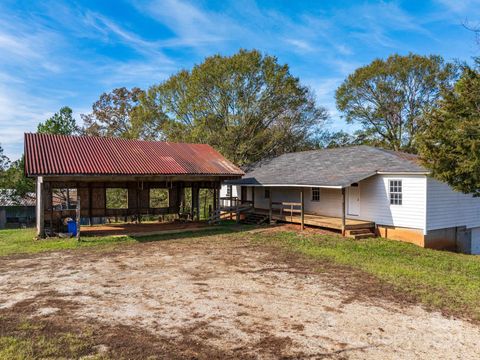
335, 139
389, 98
247, 106
61, 123
4, 161
112, 115
14, 179
450, 146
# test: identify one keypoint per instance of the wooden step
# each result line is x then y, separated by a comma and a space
359, 231
362, 236
254, 219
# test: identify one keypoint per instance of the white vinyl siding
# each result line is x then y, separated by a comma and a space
448, 208
330, 203
375, 202
224, 192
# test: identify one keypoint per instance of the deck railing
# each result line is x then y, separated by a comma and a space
234, 206
285, 206
233, 202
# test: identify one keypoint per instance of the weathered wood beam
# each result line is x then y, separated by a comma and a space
270, 205
90, 218
231, 200
344, 219
77, 217
302, 201
253, 197
197, 202
40, 208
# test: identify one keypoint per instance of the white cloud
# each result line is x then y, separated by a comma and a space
300, 45
191, 25
134, 73
19, 113
110, 29
460, 6
27, 47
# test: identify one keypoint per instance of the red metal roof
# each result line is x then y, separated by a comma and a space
47, 154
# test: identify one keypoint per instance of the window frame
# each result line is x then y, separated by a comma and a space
395, 192
229, 191
315, 192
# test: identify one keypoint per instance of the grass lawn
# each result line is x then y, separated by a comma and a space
22, 241
28, 341
439, 279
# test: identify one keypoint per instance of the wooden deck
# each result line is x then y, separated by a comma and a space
328, 222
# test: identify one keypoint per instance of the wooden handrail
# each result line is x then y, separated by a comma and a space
286, 203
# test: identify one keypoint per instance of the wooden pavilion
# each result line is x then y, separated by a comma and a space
89, 166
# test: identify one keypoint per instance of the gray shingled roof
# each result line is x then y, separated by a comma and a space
337, 167
7, 198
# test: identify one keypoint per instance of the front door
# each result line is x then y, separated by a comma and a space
353, 200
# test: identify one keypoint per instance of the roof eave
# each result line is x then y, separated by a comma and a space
403, 172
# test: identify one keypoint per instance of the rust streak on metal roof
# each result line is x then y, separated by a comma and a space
47, 154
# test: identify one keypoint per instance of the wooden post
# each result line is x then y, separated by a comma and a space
192, 200
139, 216
215, 198
90, 218
197, 201
68, 199
217, 201
40, 209
49, 203
181, 192
231, 201
343, 212
253, 198
205, 204
78, 217
270, 206
302, 201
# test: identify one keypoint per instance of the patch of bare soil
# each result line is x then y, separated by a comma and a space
222, 297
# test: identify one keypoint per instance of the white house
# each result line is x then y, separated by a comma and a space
388, 190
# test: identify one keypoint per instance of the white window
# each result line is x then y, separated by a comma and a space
229, 190
315, 194
395, 192
267, 193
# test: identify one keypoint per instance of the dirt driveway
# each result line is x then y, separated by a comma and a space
224, 297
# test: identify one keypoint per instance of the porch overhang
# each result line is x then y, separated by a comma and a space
336, 184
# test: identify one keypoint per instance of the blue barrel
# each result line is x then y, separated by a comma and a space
72, 227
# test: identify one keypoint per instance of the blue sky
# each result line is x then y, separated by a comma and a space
56, 53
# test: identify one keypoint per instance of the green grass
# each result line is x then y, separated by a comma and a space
22, 241
439, 279
31, 340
